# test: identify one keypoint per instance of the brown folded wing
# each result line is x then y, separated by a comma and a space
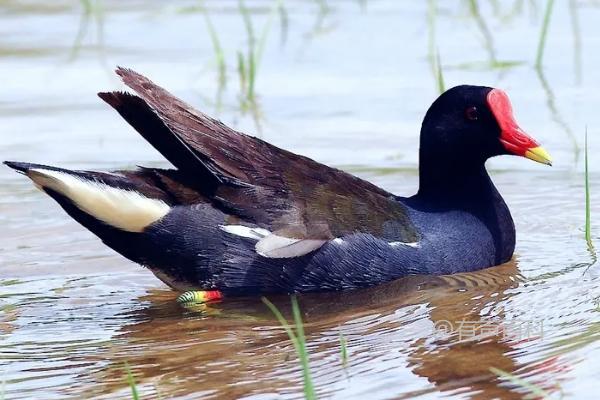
290, 195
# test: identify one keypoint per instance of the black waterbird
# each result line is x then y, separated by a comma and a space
239, 216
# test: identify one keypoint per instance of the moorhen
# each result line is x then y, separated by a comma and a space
239, 216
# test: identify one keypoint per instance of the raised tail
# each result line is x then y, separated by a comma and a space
112, 199
150, 216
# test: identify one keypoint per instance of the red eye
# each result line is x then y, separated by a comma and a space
471, 113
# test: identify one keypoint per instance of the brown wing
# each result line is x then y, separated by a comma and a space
291, 195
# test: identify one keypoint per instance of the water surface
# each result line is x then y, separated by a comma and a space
346, 83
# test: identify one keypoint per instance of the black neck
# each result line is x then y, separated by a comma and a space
467, 187
455, 182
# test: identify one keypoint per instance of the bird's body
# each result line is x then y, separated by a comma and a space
241, 216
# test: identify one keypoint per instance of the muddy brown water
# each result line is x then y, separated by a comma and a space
347, 84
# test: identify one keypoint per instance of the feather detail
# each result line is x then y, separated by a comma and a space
125, 209
275, 246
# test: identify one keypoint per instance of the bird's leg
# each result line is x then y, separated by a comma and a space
199, 296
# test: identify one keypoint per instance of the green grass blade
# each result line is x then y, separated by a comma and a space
439, 74
543, 34
217, 49
323, 6
515, 380
284, 20
247, 22
588, 213
555, 113
87, 5
309, 390
282, 321
251, 74
131, 381
431, 46
299, 342
262, 40
241, 67
576, 28
251, 52
484, 29
343, 350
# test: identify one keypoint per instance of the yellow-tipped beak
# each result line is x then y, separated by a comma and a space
539, 154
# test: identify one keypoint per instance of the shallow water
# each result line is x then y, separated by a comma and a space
347, 85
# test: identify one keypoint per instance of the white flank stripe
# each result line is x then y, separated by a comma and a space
127, 210
245, 231
275, 246
412, 244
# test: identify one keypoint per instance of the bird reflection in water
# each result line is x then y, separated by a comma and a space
236, 348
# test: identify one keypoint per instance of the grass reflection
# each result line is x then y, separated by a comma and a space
92, 11
573, 12
556, 115
533, 391
544, 34
485, 31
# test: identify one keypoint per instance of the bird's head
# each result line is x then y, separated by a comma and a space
469, 124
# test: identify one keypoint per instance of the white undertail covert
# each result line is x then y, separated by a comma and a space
124, 209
